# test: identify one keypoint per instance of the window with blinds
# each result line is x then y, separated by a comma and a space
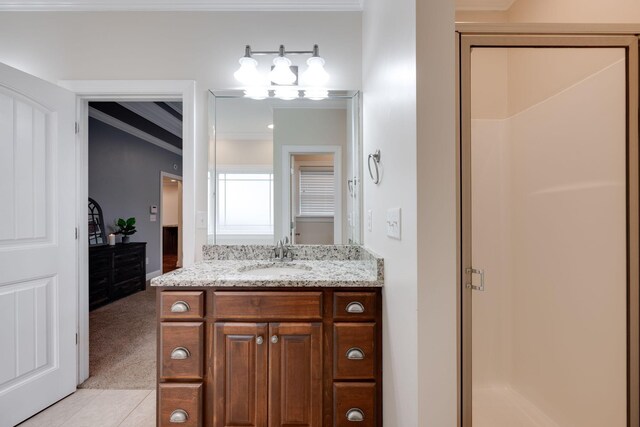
317, 195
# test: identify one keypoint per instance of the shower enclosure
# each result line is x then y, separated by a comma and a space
549, 229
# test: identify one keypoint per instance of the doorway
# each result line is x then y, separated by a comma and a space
549, 230
312, 196
171, 220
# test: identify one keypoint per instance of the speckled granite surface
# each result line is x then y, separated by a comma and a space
313, 266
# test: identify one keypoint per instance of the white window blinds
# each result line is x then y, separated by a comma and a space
317, 196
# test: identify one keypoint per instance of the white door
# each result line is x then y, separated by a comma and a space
38, 301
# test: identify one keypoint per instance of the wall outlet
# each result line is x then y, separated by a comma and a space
153, 217
369, 220
153, 209
394, 223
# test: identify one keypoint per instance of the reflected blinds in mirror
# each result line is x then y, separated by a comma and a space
317, 192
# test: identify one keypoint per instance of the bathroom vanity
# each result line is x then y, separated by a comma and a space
247, 341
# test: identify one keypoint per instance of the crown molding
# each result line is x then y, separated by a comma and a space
189, 5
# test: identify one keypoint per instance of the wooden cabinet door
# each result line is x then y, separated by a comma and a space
240, 353
295, 374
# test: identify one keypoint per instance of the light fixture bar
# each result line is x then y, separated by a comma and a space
281, 51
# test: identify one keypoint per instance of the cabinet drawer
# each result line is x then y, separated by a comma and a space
182, 304
180, 404
181, 350
354, 351
354, 404
266, 306
354, 305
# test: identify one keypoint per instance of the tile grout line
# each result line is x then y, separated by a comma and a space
135, 407
80, 407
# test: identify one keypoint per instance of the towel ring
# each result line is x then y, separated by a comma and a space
376, 162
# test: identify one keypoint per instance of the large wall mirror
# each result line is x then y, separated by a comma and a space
284, 168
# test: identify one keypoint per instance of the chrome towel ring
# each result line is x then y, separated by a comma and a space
376, 163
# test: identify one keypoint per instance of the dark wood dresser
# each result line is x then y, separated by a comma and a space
115, 272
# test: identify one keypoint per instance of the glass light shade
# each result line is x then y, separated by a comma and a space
287, 93
316, 94
315, 75
248, 72
281, 73
257, 93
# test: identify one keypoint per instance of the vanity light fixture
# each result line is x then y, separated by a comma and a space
286, 93
283, 76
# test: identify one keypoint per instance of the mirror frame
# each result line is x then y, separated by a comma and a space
355, 96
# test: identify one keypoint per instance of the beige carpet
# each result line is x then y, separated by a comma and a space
122, 344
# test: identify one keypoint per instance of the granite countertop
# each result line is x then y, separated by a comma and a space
321, 266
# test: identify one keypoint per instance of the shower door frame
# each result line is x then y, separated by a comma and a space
469, 36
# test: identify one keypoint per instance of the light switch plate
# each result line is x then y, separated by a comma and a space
201, 220
153, 209
394, 223
369, 220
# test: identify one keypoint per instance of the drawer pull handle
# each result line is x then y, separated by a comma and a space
355, 353
355, 414
259, 340
180, 353
180, 307
355, 307
179, 416
274, 339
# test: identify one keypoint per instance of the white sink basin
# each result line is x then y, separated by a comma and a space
270, 270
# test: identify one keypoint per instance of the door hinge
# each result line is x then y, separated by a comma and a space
76, 233
77, 128
76, 339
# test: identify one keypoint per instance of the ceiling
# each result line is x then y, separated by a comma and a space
186, 5
496, 5
246, 119
159, 123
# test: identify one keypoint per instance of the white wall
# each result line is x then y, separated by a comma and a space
437, 228
200, 46
389, 124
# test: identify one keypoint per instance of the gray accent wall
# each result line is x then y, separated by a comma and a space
124, 178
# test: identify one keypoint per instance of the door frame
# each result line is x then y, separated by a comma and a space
160, 218
287, 152
129, 90
540, 36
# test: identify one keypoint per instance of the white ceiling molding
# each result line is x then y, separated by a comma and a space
484, 5
173, 5
125, 127
156, 115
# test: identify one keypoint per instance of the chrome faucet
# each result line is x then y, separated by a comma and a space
282, 251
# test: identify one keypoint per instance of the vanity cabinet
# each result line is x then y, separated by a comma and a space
269, 357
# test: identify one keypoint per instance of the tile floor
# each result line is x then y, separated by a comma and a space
100, 408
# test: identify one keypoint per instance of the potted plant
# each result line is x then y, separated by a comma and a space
126, 228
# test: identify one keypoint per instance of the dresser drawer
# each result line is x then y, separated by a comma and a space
354, 404
181, 350
354, 351
354, 306
267, 306
182, 304
180, 404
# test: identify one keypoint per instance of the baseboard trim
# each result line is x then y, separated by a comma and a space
154, 274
